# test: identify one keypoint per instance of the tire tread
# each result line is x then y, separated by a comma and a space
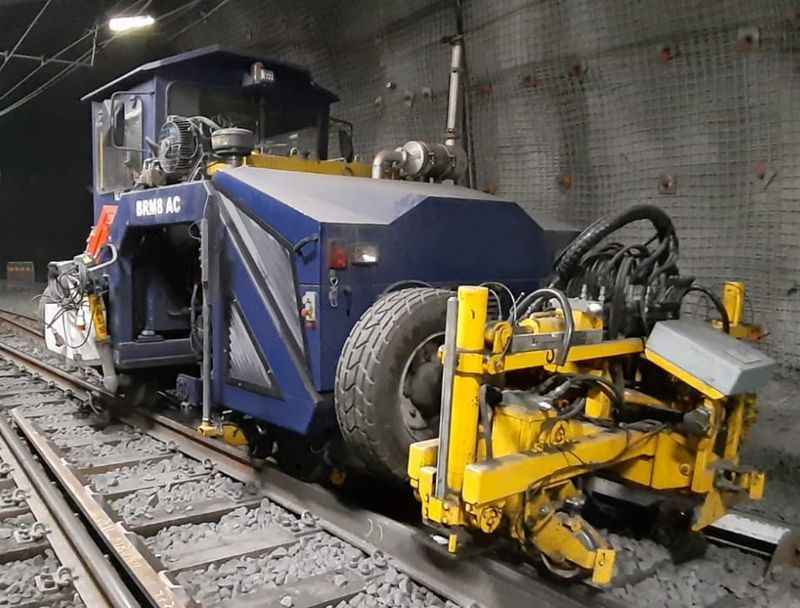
355, 386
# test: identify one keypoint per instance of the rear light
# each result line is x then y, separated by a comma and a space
364, 254
337, 256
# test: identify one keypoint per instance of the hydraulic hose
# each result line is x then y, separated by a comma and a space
530, 301
723, 314
569, 261
612, 389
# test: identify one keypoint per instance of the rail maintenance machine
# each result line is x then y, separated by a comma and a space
308, 303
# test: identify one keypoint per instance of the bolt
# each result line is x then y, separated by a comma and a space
531, 82
666, 184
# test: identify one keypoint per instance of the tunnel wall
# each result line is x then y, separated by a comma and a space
578, 108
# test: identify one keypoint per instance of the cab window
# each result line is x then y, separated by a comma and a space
118, 140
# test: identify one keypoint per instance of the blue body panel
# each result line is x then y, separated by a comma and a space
443, 235
136, 298
269, 237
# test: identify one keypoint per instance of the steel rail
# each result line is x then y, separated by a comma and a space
95, 564
18, 314
479, 580
157, 590
11, 317
53, 373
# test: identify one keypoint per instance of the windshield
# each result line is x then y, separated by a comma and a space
283, 126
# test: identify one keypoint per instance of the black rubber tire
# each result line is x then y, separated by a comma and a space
367, 392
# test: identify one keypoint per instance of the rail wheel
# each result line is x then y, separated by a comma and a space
388, 381
302, 457
591, 539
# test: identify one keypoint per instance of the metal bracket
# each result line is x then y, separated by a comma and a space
24, 535
49, 582
12, 499
448, 374
333, 292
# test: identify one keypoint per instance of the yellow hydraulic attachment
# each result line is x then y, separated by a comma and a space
527, 416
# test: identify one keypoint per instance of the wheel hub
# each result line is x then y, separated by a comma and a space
421, 388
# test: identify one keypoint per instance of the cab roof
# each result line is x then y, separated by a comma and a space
213, 61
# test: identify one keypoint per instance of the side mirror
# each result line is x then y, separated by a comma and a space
346, 145
118, 126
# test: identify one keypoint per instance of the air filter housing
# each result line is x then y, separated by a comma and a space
233, 142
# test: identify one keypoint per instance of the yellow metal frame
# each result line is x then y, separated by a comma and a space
299, 164
536, 455
734, 296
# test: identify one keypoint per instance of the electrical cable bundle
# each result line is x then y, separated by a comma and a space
67, 292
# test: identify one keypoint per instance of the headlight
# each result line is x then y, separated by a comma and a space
364, 254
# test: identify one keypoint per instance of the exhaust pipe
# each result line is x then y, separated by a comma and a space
387, 156
420, 160
454, 93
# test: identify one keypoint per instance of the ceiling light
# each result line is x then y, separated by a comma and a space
125, 24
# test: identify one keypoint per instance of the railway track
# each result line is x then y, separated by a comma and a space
194, 523
47, 557
26, 323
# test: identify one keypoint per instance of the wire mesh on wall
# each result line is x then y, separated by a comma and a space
579, 108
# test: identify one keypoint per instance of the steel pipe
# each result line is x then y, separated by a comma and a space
205, 260
456, 61
104, 573
448, 374
387, 155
